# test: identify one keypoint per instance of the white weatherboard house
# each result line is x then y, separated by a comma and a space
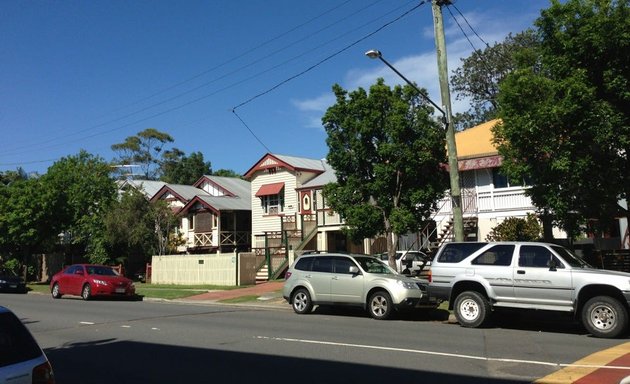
488, 196
215, 213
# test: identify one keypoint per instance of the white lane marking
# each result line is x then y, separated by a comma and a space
125, 326
155, 329
86, 322
445, 354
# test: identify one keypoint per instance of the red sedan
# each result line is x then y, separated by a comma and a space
89, 280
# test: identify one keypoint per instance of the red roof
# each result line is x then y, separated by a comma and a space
270, 189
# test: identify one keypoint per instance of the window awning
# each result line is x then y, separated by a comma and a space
270, 189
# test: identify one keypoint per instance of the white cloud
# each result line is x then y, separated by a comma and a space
317, 104
421, 68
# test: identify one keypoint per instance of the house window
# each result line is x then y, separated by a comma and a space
191, 222
502, 181
273, 204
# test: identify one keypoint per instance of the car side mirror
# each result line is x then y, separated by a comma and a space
78, 272
553, 265
354, 270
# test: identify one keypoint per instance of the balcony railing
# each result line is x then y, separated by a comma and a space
504, 199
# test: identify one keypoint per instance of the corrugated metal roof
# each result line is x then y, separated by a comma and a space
223, 203
187, 192
327, 177
476, 141
148, 187
237, 186
302, 162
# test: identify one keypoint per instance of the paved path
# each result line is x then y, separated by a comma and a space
270, 288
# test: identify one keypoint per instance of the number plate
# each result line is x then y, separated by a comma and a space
120, 290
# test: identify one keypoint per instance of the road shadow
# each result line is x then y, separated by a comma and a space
121, 362
405, 315
539, 321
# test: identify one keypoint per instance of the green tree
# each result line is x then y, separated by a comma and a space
388, 155
130, 229
145, 150
27, 217
227, 173
177, 168
480, 74
566, 114
516, 229
83, 192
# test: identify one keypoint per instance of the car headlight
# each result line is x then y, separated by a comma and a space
3, 281
100, 282
408, 284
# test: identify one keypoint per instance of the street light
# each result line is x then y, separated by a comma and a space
375, 54
458, 227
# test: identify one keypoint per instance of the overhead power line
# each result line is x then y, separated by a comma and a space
327, 58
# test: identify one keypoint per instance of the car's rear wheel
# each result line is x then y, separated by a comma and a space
472, 309
86, 292
56, 293
604, 316
380, 305
301, 301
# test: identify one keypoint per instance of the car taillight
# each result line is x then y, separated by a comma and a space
429, 276
287, 275
43, 374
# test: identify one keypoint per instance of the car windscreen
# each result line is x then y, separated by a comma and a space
16, 343
373, 265
102, 271
570, 258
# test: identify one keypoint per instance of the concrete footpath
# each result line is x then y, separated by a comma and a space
269, 293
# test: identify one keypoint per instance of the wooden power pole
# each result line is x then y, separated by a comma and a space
440, 44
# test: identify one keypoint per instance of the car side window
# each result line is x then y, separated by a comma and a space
342, 265
458, 252
500, 255
322, 264
535, 256
304, 263
71, 270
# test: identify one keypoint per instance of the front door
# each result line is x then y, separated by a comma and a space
536, 283
346, 287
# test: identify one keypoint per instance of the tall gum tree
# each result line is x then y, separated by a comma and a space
388, 154
566, 114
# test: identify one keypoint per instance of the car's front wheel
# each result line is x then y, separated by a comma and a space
472, 309
86, 292
605, 317
56, 293
380, 305
301, 301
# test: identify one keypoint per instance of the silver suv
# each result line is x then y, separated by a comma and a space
340, 279
476, 278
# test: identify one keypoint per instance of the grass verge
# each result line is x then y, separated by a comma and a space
157, 291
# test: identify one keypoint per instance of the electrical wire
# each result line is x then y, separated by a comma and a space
255, 61
327, 58
198, 99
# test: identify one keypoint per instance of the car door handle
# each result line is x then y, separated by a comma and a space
520, 272
335, 277
308, 276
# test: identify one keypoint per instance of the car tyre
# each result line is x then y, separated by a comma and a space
301, 301
56, 292
86, 292
604, 317
380, 305
472, 309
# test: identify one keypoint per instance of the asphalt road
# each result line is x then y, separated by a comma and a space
158, 342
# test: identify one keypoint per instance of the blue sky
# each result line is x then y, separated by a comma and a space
78, 74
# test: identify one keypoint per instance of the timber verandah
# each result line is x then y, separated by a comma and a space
272, 248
